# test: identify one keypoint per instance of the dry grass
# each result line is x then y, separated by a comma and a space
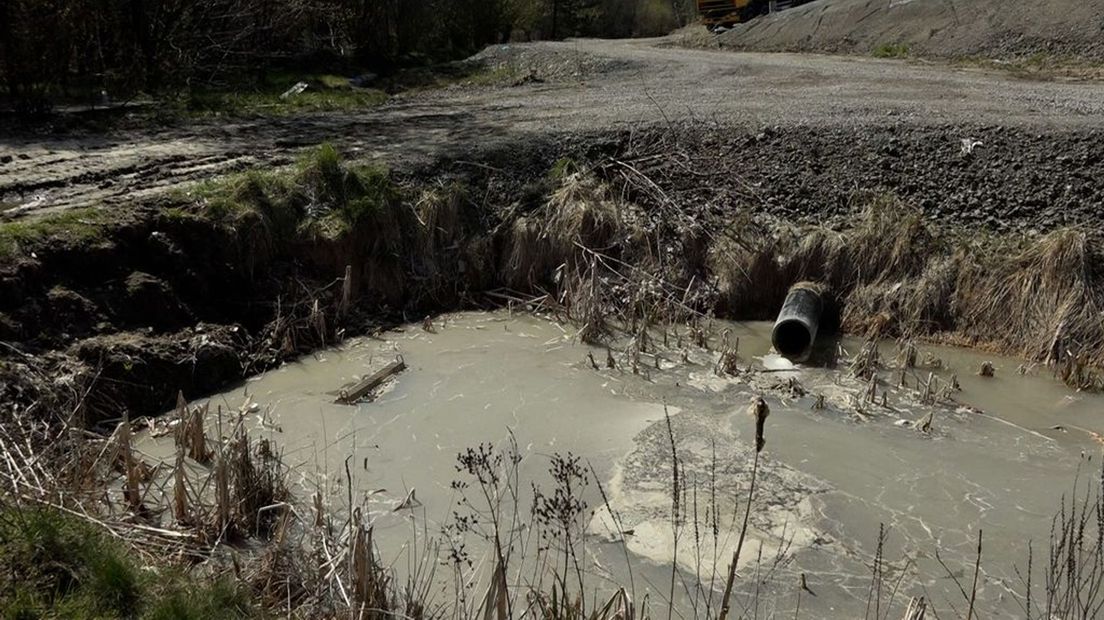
609, 246
895, 275
323, 563
601, 260
1045, 303
554, 243
892, 274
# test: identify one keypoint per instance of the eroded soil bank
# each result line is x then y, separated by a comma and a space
121, 309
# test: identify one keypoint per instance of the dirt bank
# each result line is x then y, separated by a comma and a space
939, 28
1007, 179
199, 290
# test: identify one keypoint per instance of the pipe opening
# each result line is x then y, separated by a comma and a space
791, 338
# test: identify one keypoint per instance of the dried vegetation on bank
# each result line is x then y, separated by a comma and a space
605, 245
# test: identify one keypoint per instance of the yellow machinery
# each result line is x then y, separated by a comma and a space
728, 12
724, 12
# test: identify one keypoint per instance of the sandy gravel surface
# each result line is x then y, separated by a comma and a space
615, 85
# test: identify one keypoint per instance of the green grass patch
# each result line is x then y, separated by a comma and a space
1041, 65
53, 565
490, 76
563, 167
321, 193
76, 226
325, 92
270, 103
205, 602
891, 50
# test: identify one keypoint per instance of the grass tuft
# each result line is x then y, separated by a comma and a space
53, 565
322, 191
891, 50
216, 600
77, 226
324, 93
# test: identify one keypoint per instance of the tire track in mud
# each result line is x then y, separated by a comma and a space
54, 175
58, 187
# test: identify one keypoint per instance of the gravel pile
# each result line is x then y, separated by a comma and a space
942, 28
543, 62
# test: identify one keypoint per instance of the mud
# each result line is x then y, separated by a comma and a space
995, 458
167, 297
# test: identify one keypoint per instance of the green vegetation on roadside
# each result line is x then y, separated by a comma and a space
891, 50
321, 193
53, 565
502, 74
22, 237
1041, 65
270, 103
324, 92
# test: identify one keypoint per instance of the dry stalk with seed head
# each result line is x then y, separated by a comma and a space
346, 292
318, 321
759, 410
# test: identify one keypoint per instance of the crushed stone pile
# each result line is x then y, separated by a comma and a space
941, 28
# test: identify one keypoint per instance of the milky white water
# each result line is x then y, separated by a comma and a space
828, 477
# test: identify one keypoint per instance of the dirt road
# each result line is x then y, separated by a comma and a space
636, 82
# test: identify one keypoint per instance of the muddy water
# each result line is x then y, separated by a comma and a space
828, 478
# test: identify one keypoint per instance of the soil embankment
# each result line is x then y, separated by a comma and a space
203, 289
938, 28
149, 291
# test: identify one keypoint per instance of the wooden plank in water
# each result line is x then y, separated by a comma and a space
357, 391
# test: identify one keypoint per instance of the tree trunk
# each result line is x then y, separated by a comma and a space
555, 16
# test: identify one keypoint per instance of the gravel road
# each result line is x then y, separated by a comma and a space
574, 86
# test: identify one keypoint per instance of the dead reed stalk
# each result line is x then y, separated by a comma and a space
759, 410
132, 479
190, 435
